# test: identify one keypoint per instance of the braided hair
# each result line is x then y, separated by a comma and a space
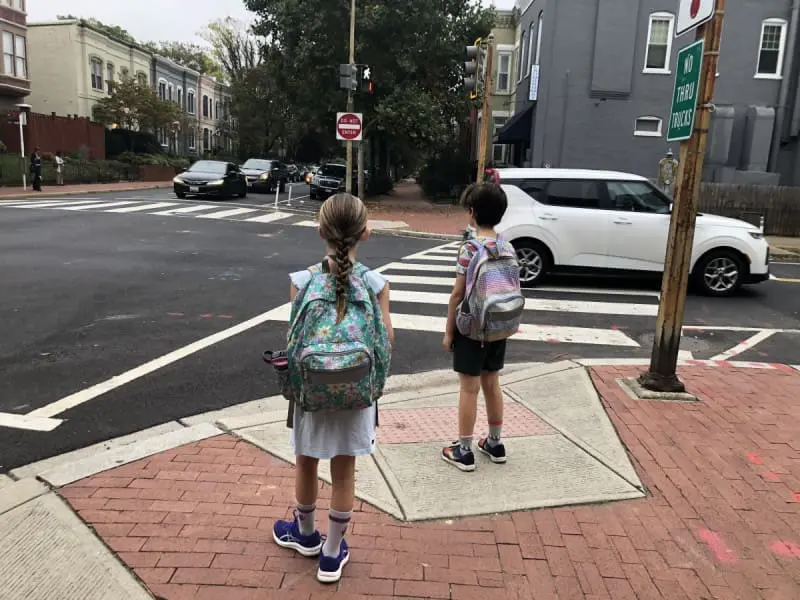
342, 222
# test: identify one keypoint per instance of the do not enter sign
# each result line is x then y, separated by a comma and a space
349, 127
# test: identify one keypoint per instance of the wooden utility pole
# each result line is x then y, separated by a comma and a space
664, 360
349, 165
486, 113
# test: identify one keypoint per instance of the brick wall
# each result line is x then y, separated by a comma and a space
52, 133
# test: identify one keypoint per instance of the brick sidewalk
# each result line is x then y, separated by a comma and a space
721, 520
87, 188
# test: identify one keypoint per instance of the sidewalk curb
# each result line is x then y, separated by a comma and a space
418, 234
49, 194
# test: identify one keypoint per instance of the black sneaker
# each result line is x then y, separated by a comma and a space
460, 459
497, 454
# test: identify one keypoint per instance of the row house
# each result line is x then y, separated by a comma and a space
214, 115
14, 81
595, 79
75, 64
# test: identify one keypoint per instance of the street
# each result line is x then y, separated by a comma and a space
124, 311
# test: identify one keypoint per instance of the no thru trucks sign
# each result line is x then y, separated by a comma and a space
684, 96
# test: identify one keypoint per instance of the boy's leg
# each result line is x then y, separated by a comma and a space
300, 534
335, 553
492, 445
468, 356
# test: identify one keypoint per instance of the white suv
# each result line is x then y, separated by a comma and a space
567, 218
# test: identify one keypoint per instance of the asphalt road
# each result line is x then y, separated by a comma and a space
90, 294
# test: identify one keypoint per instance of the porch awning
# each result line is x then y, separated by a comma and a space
517, 129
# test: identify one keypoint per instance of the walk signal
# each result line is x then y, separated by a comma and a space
367, 86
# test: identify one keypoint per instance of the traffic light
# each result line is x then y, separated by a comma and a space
471, 69
348, 77
367, 85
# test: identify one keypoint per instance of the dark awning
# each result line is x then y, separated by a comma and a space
517, 129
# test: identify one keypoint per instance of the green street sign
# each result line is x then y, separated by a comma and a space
684, 96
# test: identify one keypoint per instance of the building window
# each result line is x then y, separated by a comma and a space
190, 108
216, 109
205, 105
523, 56
109, 78
531, 48
647, 127
8, 53
206, 139
537, 55
170, 90
97, 74
142, 79
503, 84
659, 42
191, 139
770, 53
162, 89
499, 151
124, 72
180, 97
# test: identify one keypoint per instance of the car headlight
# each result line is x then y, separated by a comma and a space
264, 176
217, 182
177, 180
756, 235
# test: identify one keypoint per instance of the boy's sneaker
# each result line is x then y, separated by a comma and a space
497, 453
287, 535
330, 567
459, 458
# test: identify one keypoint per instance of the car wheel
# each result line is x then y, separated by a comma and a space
534, 261
720, 273
180, 195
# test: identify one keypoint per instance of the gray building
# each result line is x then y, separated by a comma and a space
178, 84
595, 81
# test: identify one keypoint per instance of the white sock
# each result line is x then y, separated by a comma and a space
337, 526
305, 518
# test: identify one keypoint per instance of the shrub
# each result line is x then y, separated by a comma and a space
445, 175
379, 183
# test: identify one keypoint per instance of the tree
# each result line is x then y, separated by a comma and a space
114, 31
415, 51
189, 55
134, 106
234, 47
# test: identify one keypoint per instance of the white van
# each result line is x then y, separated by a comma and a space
604, 220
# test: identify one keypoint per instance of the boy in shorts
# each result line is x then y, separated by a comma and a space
478, 364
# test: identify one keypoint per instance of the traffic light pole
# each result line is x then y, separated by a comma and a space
485, 112
349, 169
664, 360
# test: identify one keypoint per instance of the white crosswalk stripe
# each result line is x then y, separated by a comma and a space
227, 213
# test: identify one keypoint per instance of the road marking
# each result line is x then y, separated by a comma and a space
28, 422
143, 207
745, 345
68, 402
46, 199
529, 333
104, 205
57, 203
568, 306
186, 210
731, 328
306, 224
420, 280
786, 279
227, 213
399, 266
269, 218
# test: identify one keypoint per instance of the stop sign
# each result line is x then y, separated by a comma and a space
349, 127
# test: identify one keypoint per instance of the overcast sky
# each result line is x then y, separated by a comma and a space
148, 20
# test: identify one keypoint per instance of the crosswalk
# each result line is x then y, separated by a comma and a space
420, 291
265, 214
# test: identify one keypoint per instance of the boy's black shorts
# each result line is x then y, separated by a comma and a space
471, 357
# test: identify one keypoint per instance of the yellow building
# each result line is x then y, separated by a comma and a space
73, 65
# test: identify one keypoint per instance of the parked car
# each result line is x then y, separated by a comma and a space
211, 178
265, 174
294, 173
581, 219
330, 179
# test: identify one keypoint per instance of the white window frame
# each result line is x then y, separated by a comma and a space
180, 96
508, 51
158, 88
191, 108
784, 25
192, 140
93, 77
141, 78
660, 16
523, 56
539, 21
496, 115
531, 47
170, 92
641, 133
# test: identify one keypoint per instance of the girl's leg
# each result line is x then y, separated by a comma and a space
343, 475
306, 485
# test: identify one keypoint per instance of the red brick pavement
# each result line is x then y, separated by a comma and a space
721, 520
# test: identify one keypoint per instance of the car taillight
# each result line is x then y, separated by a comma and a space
491, 175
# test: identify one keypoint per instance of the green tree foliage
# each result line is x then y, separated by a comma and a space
415, 50
114, 31
134, 106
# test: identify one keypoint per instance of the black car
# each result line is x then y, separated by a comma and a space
211, 178
264, 174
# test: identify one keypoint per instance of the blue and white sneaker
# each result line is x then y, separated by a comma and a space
330, 568
287, 535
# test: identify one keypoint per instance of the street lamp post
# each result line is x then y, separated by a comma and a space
349, 165
24, 110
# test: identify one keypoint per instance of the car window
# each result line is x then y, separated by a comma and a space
574, 193
208, 166
636, 196
334, 171
534, 188
255, 163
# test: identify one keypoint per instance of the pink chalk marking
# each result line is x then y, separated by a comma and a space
753, 458
552, 341
795, 496
206, 316
786, 549
174, 314
615, 327
718, 547
224, 316
771, 476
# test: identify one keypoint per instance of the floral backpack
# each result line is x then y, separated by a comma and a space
334, 366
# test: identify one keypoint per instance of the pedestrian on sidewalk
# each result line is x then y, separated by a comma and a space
339, 350
36, 170
59, 169
485, 309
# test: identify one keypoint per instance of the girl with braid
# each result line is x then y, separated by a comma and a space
335, 435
